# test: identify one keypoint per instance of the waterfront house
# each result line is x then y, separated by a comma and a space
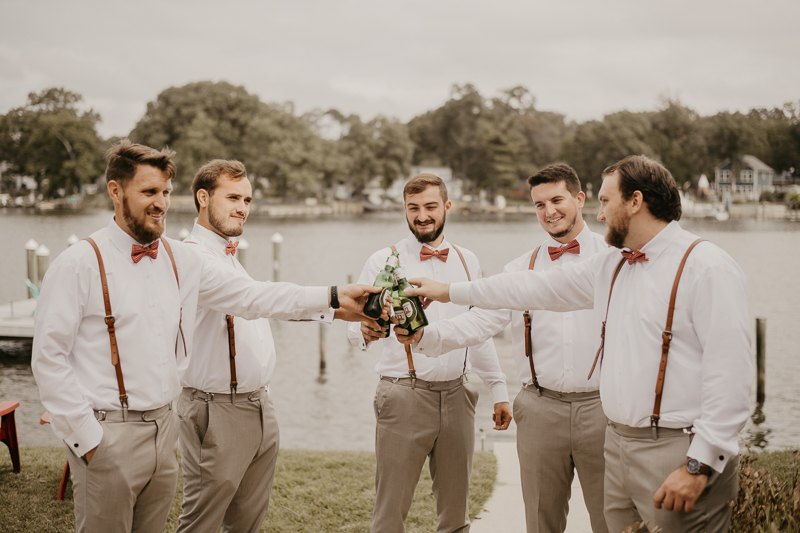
754, 177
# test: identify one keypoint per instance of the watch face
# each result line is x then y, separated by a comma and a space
693, 466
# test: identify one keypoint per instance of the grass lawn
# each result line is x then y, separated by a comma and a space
314, 491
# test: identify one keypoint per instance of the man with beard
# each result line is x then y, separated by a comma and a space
228, 431
560, 421
429, 413
129, 290
671, 443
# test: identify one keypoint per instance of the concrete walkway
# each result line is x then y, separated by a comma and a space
505, 512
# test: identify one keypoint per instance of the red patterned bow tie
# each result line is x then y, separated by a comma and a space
573, 247
426, 253
230, 248
140, 251
632, 257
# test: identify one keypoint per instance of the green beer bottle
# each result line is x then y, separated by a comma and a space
413, 317
385, 280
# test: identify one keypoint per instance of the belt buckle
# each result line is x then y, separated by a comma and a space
100, 415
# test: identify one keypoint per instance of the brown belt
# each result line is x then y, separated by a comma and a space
427, 385
563, 396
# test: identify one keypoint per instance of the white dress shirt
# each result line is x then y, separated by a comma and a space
709, 370
209, 368
564, 344
393, 363
71, 357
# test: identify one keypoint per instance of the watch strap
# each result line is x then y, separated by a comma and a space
334, 297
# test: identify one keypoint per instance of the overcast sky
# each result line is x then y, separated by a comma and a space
583, 58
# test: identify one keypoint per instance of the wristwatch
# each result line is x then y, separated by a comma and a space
696, 468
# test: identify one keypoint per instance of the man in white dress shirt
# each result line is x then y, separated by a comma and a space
229, 445
434, 414
560, 421
671, 458
106, 364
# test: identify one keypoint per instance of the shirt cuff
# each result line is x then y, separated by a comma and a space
86, 437
708, 454
430, 344
317, 300
459, 293
500, 393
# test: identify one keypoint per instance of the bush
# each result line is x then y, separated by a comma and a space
768, 501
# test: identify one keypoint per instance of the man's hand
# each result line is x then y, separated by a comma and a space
88, 455
501, 416
352, 299
680, 491
350, 316
369, 333
427, 288
404, 338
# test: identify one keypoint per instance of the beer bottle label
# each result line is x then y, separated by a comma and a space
401, 316
408, 307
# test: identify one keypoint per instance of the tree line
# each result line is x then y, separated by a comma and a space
491, 143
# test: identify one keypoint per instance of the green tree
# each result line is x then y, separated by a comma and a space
677, 140
200, 121
50, 139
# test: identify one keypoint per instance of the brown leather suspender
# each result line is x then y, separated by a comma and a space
232, 351
526, 316
600, 351
112, 335
110, 320
411, 371
168, 248
666, 337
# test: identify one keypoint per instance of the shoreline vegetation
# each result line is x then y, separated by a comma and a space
314, 492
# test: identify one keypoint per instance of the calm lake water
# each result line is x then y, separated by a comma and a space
334, 411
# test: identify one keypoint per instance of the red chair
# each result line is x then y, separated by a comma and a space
62, 487
8, 431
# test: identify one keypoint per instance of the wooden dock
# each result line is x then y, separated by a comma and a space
16, 320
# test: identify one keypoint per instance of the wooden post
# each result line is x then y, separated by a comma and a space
322, 363
277, 239
30, 257
42, 261
761, 358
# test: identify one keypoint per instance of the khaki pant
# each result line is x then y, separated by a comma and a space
228, 454
555, 437
412, 424
130, 482
637, 465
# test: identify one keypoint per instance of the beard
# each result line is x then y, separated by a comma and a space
617, 232
567, 231
218, 222
138, 225
431, 235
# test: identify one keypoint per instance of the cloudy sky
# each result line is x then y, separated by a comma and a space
583, 58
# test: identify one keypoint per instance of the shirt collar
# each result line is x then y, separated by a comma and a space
415, 246
210, 239
121, 239
582, 239
656, 246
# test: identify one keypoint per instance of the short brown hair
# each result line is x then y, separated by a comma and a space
422, 182
653, 180
124, 157
555, 174
207, 176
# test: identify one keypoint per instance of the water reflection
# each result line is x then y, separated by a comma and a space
757, 437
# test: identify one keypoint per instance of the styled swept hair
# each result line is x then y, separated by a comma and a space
653, 180
422, 182
555, 174
124, 157
206, 178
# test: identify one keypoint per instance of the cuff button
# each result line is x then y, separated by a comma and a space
76, 444
721, 457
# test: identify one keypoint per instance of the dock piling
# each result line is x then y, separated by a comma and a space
761, 358
277, 239
30, 256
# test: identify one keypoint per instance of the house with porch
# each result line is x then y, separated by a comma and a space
754, 177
